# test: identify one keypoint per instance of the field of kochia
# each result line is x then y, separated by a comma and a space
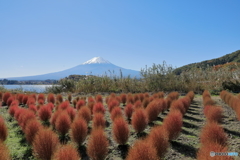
140, 126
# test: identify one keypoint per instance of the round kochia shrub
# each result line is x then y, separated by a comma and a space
142, 150
31, 129
45, 113
5, 97
152, 111
98, 108
120, 130
79, 131
85, 113
3, 130
159, 138
97, 147
45, 144
4, 152
51, 98
66, 152
139, 120
173, 124
98, 121
63, 123
116, 112
128, 110
213, 133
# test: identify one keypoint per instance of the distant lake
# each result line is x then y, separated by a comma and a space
33, 88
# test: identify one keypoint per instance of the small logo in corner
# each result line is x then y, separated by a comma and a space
212, 154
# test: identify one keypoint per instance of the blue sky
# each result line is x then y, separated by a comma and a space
40, 36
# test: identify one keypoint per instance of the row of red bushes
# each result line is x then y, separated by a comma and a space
212, 136
232, 101
4, 151
155, 145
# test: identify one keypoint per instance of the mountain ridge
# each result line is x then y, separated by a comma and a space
231, 57
96, 66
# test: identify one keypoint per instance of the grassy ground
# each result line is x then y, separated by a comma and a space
184, 147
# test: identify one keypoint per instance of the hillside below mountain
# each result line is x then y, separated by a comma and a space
228, 58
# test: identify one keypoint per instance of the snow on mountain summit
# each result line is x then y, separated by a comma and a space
95, 60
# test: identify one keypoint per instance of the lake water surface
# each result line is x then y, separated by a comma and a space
34, 88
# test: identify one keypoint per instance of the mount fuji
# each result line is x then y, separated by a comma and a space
96, 66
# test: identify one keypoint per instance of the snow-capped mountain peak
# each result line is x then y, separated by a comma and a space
98, 60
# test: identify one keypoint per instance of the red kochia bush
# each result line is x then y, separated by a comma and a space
25, 99
18, 112
4, 152
80, 104
71, 112
123, 98
85, 113
213, 133
66, 152
98, 121
41, 97
99, 98
15, 103
173, 124
54, 117
64, 105
1, 95
63, 123
31, 101
130, 98
214, 114
145, 102
178, 105
116, 112
20, 98
12, 110
152, 111
9, 101
33, 108
128, 110
113, 102
45, 113
98, 108
51, 98
139, 120
120, 130
159, 138
204, 152
45, 144
31, 129
79, 131
3, 130
97, 147
142, 150
24, 117
5, 97
137, 104
59, 98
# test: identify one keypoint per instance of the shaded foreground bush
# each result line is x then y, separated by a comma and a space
213, 133
66, 152
97, 147
120, 130
45, 144
142, 150
4, 152
3, 130
173, 124
79, 131
139, 120
159, 138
